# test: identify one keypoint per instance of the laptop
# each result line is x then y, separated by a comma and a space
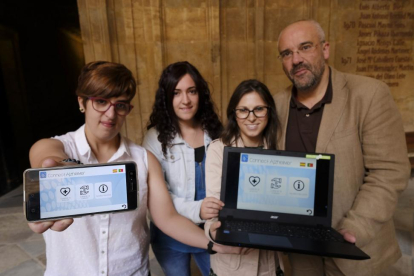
280, 200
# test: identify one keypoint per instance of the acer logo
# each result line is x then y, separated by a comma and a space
274, 217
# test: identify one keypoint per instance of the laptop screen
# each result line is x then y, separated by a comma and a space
274, 183
277, 182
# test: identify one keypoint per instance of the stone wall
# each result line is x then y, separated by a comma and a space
229, 41
376, 39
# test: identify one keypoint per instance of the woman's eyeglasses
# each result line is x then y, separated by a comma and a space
258, 111
102, 105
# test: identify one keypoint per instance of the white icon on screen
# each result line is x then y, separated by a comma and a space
253, 183
64, 194
254, 180
299, 187
276, 183
84, 191
103, 190
65, 191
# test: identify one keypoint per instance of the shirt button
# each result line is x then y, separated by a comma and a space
172, 157
103, 252
103, 232
103, 272
307, 115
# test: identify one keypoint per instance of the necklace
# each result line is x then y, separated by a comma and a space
256, 147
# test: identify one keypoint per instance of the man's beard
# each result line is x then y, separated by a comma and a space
307, 82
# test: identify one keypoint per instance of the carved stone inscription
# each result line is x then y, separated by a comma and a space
384, 40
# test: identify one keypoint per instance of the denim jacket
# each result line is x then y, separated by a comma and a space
179, 172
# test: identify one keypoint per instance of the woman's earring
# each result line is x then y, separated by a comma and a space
81, 109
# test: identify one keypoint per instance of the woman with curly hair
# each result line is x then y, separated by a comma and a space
182, 125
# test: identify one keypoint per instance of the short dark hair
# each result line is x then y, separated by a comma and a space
163, 117
105, 79
231, 131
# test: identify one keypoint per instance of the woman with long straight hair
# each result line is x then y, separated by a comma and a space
252, 122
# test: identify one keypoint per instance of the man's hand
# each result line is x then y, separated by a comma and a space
210, 208
57, 225
348, 236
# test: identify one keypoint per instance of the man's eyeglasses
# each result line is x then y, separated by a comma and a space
258, 111
303, 50
102, 105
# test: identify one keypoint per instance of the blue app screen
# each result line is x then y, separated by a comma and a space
277, 184
82, 190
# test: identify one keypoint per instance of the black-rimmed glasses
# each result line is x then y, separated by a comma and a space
258, 111
102, 105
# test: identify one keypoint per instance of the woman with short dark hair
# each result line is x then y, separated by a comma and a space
108, 244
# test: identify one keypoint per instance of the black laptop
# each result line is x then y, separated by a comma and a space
280, 200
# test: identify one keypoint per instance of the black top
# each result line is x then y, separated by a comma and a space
303, 124
199, 154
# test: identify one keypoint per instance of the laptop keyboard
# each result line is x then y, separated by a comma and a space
313, 233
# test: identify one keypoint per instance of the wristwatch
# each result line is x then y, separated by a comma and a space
210, 248
70, 160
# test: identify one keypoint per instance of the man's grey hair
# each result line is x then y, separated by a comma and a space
318, 28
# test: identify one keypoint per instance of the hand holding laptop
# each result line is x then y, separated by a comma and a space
347, 235
213, 229
280, 200
210, 208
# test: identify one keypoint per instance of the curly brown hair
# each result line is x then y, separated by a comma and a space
163, 117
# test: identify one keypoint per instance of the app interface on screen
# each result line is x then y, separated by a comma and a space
82, 190
277, 184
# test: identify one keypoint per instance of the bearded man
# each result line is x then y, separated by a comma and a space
356, 119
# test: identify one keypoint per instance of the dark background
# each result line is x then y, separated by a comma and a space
38, 74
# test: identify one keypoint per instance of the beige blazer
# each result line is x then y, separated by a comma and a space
257, 262
363, 128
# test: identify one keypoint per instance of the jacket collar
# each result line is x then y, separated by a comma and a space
332, 112
178, 140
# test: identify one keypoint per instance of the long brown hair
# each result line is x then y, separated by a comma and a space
231, 131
